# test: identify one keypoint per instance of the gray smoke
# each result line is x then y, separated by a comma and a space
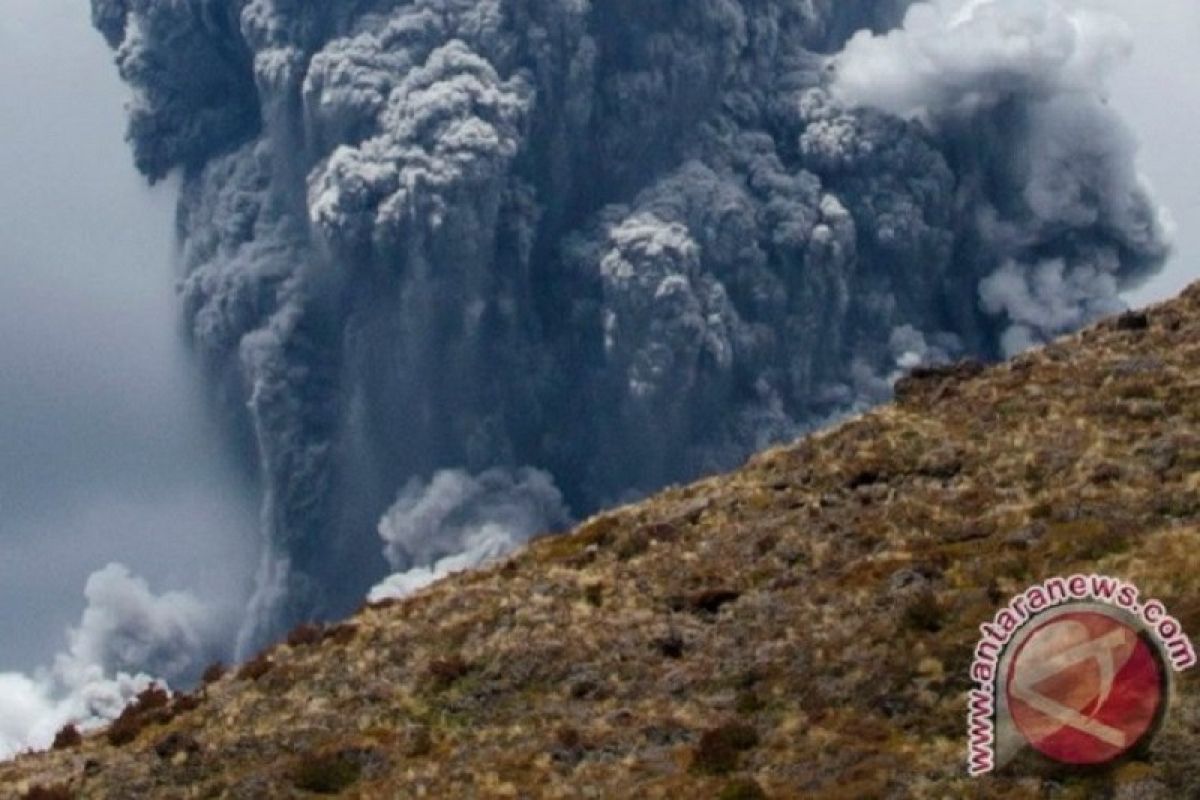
127, 638
1068, 160
458, 521
626, 242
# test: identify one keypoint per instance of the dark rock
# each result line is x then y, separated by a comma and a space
712, 600
174, 743
866, 477
1133, 321
908, 581
667, 733
968, 532
671, 646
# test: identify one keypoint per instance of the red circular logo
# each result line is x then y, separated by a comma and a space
1085, 688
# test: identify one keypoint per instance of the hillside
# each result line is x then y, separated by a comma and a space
801, 627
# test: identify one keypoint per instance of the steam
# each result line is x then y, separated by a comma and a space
458, 521
962, 57
429, 242
126, 635
963, 68
1046, 300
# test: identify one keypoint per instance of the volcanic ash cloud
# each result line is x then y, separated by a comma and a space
618, 243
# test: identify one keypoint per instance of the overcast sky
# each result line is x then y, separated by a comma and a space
1160, 96
105, 451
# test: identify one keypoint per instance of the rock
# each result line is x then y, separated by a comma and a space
1133, 321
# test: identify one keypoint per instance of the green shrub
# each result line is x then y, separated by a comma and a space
742, 789
326, 773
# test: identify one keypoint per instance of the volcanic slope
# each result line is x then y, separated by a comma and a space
801, 627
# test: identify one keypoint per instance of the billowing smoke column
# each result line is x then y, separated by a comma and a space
623, 242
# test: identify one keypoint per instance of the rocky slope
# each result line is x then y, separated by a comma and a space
799, 628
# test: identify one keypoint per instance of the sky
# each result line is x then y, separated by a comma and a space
106, 449
1160, 96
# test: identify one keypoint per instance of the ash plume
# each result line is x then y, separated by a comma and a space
623, 243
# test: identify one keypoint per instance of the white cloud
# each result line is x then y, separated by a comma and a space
127, 639
961, 55
458, 521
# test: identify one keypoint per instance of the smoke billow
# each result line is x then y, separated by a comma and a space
127, 638
622, 242
457, 521
1071, 224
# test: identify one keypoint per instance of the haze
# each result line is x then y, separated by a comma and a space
105, 450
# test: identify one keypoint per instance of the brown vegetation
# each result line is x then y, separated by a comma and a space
305, 634
256, 667
68, 736
149, 707
56, 791
801, 627
213, 673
